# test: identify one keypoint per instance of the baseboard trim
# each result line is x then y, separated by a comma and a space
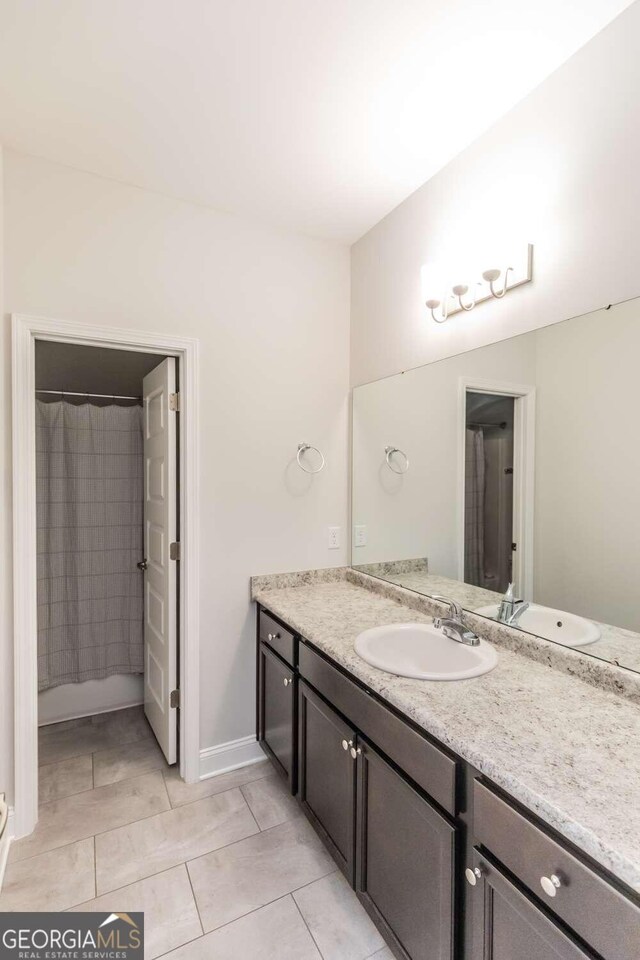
80, 714
5, 843
229, 756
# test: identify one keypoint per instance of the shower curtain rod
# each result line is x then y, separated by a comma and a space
502, 425
98, 396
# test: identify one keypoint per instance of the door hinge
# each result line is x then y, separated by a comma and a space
174, 402
514, 547
174, 700
174, 551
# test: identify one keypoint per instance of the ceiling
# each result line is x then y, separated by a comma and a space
317, 115
75, 368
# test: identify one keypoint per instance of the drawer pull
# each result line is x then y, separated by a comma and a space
551, 884
345, 745
287, 681
473, 875
273, 636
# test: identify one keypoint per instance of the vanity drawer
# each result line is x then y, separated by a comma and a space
428, 766
277, 637
587, 903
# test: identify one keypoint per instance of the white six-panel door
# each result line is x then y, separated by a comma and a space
160, 577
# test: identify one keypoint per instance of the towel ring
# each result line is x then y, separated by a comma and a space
302, 448
389, 452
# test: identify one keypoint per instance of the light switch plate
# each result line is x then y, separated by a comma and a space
334, 538
360, 535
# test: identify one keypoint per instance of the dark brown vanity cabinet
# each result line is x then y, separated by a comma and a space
327, 776
406, 820
405, 861
574, 895
277, 709
509, 926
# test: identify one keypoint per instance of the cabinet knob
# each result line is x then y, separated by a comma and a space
273, 636
345, 745
287, 681
355, 751
474, 875
551, 884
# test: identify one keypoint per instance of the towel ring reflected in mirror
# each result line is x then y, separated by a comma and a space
389, 453
302, 448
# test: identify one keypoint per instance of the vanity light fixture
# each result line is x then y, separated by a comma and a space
491, 276
459, 291
519, 271
433, 305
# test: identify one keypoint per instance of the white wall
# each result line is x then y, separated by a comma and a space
587, 509
271, 310
561, 170
6, 600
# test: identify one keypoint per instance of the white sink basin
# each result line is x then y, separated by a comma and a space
420, 650
557, 625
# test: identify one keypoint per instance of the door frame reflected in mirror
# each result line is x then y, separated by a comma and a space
523, 473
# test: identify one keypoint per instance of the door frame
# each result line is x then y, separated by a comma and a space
25, 331
524, 433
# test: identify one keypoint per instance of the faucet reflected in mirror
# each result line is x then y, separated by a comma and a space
510, 609
521, 503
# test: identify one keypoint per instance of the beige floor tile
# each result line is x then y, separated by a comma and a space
54, 728
244, 876
85, 814
181, 792
338, 922
130, 723
270, 801
57, 780
51, 881
127, 760
101, 733
142, 849
170, 915
275, 932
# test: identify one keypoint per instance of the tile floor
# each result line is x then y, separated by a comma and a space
224, 869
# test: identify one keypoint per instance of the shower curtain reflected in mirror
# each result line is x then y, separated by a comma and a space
89, 470
474, 491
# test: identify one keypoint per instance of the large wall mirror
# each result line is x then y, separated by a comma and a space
517, 462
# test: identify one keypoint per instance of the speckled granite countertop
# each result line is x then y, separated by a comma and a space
565, 749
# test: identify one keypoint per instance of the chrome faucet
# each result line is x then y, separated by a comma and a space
453, 626
510, 609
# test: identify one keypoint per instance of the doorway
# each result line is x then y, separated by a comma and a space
165, 666
495, 503
106, 514
488, 501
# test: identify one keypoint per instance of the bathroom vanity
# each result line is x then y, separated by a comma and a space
460, 841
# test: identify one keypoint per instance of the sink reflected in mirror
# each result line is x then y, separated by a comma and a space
422, 651
557, 625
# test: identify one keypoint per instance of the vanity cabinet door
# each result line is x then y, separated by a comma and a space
507, 925
277, 706
327, 776
405, 861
